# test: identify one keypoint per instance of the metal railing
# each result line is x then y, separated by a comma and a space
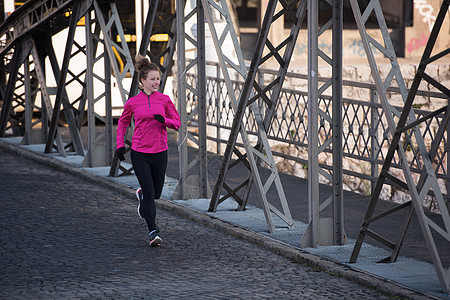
365, 130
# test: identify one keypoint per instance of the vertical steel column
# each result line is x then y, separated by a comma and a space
110, 148
218, 113
201, 86
28, 103
374, 144
339, 237
326, 133
191, 186
91, 154
311, 236
406, 122
181, 96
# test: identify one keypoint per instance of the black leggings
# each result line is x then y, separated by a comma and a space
150, 170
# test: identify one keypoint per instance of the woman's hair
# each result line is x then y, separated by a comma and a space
143, 66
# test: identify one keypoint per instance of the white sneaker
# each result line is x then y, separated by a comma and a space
140, 196
155, 240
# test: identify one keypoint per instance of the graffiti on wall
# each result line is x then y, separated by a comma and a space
416, 43
357, 48
302, 48
426, 11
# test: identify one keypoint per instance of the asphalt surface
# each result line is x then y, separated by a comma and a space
65, 237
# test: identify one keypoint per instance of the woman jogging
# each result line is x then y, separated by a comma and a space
152, 112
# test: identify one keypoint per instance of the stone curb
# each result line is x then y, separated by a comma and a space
268, 243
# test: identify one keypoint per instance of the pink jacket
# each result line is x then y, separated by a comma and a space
150, 136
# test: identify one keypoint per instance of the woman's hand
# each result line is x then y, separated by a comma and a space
159, 118
120, 153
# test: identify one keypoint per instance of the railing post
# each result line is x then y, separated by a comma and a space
218, 111
374, 145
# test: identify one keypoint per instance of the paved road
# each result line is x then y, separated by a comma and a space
64, 237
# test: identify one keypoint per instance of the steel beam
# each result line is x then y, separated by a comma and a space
20, 54
181, 98
46, 107
339, 235
247, 99
107, 23
61, 98
324, 132
192, 183
28, 17
203, 185
28, 103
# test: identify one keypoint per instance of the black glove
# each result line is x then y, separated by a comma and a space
120, 153
159, 118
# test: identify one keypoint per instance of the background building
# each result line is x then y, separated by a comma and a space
410, 23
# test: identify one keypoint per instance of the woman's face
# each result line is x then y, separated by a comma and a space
151, 83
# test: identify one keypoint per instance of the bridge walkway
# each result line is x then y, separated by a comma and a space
412, 276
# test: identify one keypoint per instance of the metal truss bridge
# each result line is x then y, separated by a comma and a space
42, 82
